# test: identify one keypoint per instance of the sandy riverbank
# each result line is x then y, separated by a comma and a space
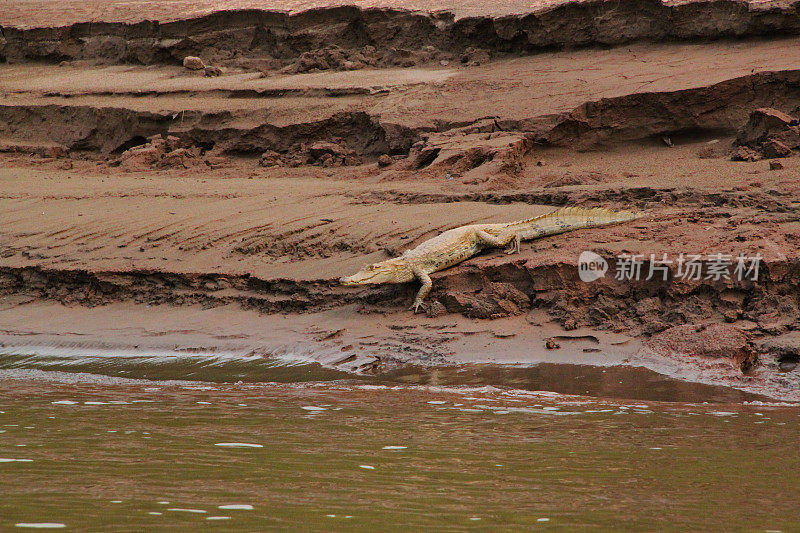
264, 187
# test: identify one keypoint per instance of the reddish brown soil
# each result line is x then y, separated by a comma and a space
134, 185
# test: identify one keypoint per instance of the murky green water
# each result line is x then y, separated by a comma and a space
104, 454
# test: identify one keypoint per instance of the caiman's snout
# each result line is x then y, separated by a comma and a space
368, 275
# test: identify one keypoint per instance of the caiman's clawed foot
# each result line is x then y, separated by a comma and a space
513, 248
417, 305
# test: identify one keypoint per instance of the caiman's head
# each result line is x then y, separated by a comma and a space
389, 271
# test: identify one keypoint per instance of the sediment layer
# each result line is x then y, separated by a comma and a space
393, 35
480, 289
719, 109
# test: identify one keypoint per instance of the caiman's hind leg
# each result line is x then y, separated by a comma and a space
427, 283
497, 242
522, 236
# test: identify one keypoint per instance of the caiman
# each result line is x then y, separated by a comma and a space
459, 244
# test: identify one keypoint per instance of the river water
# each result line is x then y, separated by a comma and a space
96, 446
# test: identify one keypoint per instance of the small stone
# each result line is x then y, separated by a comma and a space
434, 309
775, 165
384, 160
193, 63
212, 72
551, 344
444, 62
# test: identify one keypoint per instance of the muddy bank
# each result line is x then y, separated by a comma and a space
720, 109
114, 130
717, 110
253, 194
487, 288
349, 37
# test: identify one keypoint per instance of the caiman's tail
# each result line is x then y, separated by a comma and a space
569, 219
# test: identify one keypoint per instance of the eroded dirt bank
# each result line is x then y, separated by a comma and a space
162, 189
635, 117
350, 37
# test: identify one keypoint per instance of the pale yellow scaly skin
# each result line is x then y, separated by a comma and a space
459, 244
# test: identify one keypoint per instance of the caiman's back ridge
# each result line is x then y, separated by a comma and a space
459, 244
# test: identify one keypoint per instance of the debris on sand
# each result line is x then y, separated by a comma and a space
482, 144
320, 153
161, 152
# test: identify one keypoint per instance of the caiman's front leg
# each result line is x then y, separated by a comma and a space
427, 283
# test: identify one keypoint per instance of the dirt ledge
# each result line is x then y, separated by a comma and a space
271, 39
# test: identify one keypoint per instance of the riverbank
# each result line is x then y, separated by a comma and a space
140, 195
